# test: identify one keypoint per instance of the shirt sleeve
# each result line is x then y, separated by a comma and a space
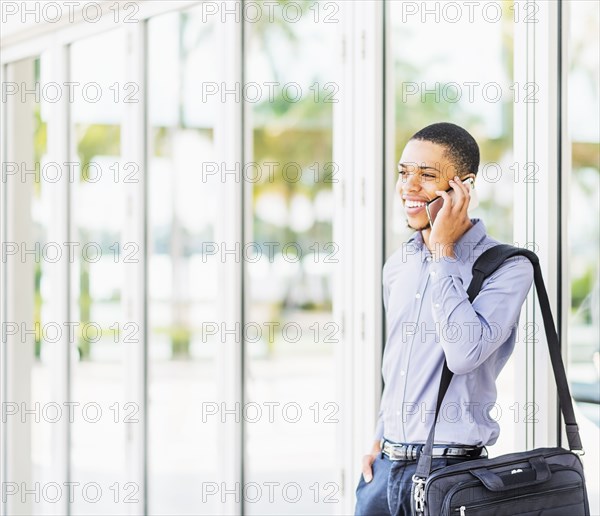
470, 333
379, 428
386, 295
385, 284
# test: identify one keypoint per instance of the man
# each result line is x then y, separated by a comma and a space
429, 318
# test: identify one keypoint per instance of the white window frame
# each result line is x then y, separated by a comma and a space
358, 154
17, 276
535, 220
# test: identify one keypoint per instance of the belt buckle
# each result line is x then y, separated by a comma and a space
388, 450
396, 451
455, 452
400, 452
465, 452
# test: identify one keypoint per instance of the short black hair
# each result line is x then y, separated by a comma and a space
461, 147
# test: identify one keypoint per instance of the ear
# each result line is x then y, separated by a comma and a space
474, 198
470, 176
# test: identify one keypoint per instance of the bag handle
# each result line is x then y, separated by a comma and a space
517, 478
484, 266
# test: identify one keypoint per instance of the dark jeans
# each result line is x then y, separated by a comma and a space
389, 492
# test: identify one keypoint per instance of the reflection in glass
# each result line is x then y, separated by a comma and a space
41, 380
183, 290
583, 211
99, 335
290, 373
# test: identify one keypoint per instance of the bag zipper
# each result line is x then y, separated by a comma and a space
462, 509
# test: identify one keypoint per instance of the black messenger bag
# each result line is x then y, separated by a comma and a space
544, 481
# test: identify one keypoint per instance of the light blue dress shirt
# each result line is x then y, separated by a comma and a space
428, 317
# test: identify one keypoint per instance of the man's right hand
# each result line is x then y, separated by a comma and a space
368, 460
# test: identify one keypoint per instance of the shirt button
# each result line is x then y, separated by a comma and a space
428, 258
402, 373
437, 305
417, 295
398, 413
432, 273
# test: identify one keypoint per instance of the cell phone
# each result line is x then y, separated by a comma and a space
434, 206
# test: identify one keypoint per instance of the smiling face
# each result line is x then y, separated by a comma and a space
423, 169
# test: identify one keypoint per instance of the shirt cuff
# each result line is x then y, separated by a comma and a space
444, 266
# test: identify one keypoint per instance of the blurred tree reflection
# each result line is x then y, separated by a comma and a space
301, 132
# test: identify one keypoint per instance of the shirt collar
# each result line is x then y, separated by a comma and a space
463, 248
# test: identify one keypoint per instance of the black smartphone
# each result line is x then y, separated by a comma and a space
435, 205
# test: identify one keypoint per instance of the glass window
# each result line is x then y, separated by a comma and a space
183, 293
100, 331
293, 413
41, 385
583, 213
34, 172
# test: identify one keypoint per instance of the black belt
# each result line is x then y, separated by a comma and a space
400, 451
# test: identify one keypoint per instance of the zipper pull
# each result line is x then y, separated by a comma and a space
462, 510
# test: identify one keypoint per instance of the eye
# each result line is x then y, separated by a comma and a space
429, 176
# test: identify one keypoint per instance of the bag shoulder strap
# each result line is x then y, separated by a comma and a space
485, 265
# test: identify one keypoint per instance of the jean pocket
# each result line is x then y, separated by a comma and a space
361, 483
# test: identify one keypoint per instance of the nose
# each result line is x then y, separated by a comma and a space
410, 183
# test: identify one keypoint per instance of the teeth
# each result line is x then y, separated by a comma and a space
414, 204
